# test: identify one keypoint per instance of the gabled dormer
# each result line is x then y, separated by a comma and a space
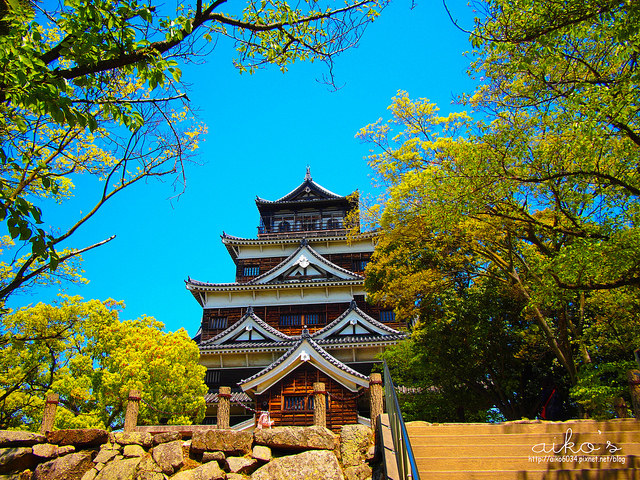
308, 209
305, 351
353, 323
250, 328
305, 265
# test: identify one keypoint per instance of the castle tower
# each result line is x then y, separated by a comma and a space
296, 313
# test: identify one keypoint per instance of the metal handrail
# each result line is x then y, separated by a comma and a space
407, 468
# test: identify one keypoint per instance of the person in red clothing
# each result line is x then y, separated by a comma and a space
550, 401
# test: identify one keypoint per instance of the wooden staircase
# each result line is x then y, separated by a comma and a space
527, 450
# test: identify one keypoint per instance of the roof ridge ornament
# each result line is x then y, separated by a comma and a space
307, 177
249, 310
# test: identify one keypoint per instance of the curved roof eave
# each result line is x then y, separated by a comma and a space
233, 240
307, 183
194, 286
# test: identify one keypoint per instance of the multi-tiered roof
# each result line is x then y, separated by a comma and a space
297, 305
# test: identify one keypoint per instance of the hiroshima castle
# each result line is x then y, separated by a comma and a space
296, 314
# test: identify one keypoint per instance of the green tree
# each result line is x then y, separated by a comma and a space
612, 332
93, 89
540, 181
85, 353
471, 352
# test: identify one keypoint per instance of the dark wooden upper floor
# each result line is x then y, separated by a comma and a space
291, 319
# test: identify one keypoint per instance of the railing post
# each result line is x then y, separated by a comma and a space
224, 407
49, 415
376, 401
319, 405
634, 388
133, 406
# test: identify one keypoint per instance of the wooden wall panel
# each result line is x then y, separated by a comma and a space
348, 261
271, 315
342, 402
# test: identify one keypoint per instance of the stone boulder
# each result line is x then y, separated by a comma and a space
144, 439
67, 467
14, 459
358, 472
355, 440
48, 450
169, 456
261, 453
311, 465
150, 476
105, 455
236, 476
124, 469
297, 438
80, 438
131, 451
241, 464
10, 438
26, 475
208, 471
148, 469
228, 441
166, 437
211, 456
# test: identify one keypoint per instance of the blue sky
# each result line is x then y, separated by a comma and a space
263, 130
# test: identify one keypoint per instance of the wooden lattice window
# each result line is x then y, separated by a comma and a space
284, 226
290, 320
313, 319
295, 403
218, 323
296, 319
212, 379
308, 222
251, 270
387, 316
310, 403
333, 224
360, 265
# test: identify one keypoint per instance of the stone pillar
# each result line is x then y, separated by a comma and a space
133, 406
224, 407
49, 416
376, 400
634, 387
319, 405
620, 406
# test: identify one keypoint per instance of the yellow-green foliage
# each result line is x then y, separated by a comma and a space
91, 97
536, 188
85, 353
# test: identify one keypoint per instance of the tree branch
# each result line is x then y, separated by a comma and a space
22, 277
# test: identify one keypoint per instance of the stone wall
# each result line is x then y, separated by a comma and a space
291, 453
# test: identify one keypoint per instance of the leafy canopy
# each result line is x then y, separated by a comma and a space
92, 89
92, 359
537, 187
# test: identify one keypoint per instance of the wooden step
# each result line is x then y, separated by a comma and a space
516, 449
533, 463
533, 475
573, 450
577, 426
551, 442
